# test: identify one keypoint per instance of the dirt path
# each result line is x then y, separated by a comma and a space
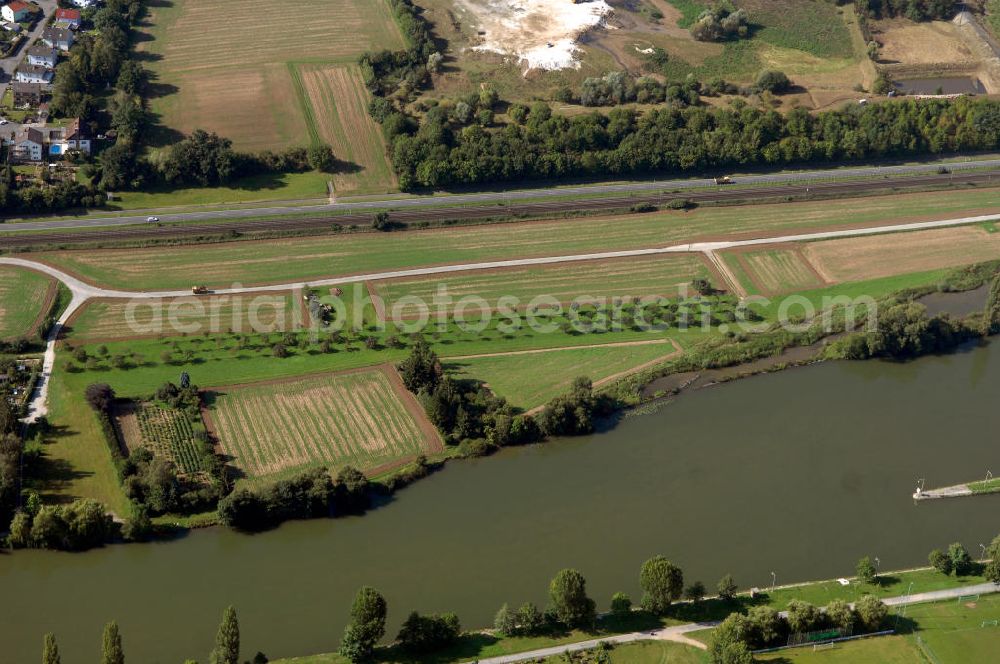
727, 274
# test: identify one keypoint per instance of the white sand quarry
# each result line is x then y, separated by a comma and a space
541, 34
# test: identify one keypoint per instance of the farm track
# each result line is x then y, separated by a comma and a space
324, 223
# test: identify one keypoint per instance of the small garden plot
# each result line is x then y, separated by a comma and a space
166, 432
365, 419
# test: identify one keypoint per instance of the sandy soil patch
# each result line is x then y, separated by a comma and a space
540, 33
857, 259
932, 42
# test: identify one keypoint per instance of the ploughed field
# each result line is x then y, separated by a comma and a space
365, 419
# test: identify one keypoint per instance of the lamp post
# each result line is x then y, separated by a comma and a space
774, 581
983, 547
878, 566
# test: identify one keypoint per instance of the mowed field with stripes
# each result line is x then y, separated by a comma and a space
234, 69
364, 419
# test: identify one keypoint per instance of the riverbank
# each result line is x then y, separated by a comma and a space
895, 588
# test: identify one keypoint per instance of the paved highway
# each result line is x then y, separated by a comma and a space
327, 210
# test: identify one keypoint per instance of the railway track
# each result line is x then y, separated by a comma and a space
325, 223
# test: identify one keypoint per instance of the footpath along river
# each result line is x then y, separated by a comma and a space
799, 472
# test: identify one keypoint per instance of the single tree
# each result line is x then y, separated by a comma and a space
803, 616
662, 583
568, 592
961, 561
695, 592
940, 561
866, 570
840, 614
227, 639
763, 625
621, 605
871, 612
992, 570
367, 626
113, 653
727, 588
729, 641
505, 622
50, 651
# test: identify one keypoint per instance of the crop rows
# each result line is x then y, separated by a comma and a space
355, 419
169, 434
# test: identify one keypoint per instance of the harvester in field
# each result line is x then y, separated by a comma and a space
724, 179
199, 290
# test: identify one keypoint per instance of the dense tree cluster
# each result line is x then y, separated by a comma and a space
955, 561
541, 145
405, 71
572, 414
721, 22
30, 199
421, 634
367, 625
308, 495
472, 417
915, 10
618, 87
763, 626
904, 331
80, 525
11, 447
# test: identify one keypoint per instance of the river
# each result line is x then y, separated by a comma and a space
798, 472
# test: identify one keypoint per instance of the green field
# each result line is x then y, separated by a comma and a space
534, 379
22, 295
804, 38
663, 275
309, 186
363, 419
256, 262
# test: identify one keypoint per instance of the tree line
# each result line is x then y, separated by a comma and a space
437, 152
915, 10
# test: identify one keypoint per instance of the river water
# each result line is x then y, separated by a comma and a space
799, 472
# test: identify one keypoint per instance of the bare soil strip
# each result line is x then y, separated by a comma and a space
619, 344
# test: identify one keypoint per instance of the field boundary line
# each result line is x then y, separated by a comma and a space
432, 437
304, 105
536, 351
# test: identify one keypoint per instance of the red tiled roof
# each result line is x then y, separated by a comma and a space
68, 14
17, 6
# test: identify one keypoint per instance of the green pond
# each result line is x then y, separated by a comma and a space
799, 473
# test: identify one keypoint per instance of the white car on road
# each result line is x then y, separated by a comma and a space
152, 220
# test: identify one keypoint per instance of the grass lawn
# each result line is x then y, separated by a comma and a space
531, 380
273, 187
266, 261
876, 650
23, 294
954, 633
985, 486
76, 461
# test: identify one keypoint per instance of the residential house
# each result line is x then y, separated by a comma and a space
43, 56
68, 18
10, 27
61, 140
33, 74
83, 4
27, 145
36, 142
61, 38
16, 11
26, 94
